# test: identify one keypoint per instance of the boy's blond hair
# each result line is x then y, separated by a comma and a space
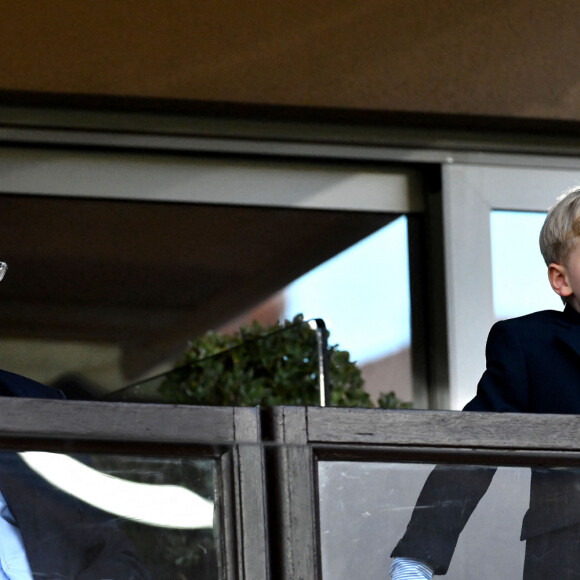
561, 227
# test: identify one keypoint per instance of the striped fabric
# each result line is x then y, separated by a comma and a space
13, 561
408, 569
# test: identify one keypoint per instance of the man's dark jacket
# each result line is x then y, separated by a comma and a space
64, 539
533, 366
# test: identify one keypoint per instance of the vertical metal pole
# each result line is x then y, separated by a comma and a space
318, 325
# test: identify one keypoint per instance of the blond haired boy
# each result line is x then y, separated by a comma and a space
533, 366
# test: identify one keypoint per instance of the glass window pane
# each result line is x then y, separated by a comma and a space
520, 281
125, 274
365, 509
363, 296
278, 368
112, 516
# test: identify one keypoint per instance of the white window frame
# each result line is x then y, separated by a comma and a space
123, 175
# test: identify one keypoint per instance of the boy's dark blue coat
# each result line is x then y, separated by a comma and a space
533, 366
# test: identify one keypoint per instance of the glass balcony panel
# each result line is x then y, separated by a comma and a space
113, 516
365, 509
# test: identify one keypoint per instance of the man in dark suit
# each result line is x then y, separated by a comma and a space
47, 533
61, 537
533, 366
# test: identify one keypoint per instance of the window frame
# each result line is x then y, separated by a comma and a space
449, 177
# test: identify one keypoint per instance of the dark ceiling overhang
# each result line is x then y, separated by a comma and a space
150, 275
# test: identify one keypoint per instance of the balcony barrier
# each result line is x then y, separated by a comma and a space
284, 492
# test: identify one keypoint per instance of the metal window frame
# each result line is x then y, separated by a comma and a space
144, 167
53, 146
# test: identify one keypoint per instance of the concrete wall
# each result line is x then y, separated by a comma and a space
489, 57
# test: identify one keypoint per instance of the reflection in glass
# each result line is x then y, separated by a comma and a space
365, 509
247, 374
113, 516
363, 295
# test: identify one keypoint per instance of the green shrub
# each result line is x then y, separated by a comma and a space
266, 366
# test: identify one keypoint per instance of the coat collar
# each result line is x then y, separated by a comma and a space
571, 316
569, 325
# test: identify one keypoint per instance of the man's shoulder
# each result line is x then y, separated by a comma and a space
14, 385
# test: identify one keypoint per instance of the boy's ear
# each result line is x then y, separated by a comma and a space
558, 277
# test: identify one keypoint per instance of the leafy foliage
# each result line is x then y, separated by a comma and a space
266, 366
